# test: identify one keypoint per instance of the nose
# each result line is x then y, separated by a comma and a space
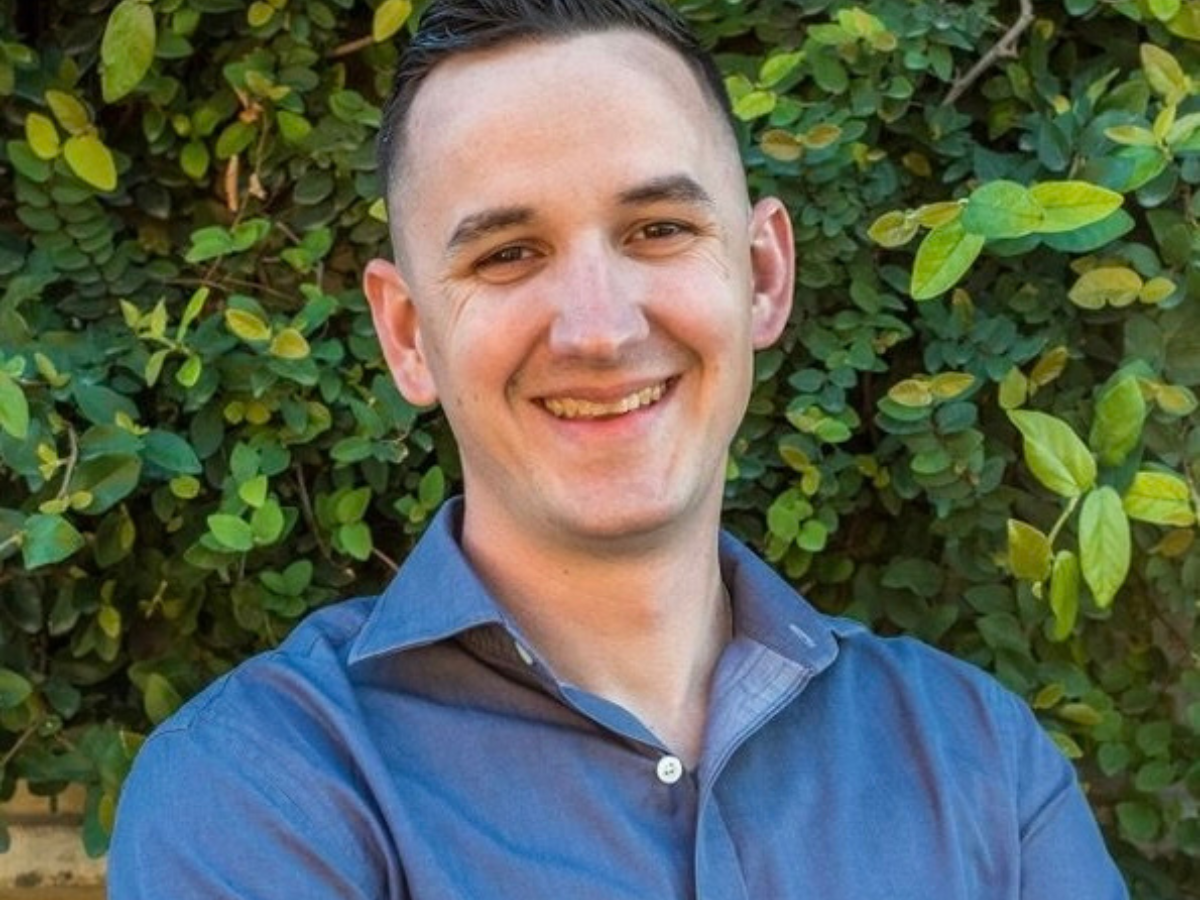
598, 305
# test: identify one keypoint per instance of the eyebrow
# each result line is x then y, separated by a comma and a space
479, 225
665, 189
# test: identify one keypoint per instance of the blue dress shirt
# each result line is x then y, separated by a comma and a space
414, 746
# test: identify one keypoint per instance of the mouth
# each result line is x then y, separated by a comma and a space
577, 408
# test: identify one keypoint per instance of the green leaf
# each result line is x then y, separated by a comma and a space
160, 698
14, 689
355, 539
352, 505
48, 539
14, 408
292, 126
777, 67
127, 48
1117, 425
389, 18
1139, 821
170, 452
1069, 205
1064, 594
432, 488
1104, 544
194, 159
42, 136
208, 243
1161, 498
267, 522
943, 257
235, 138
1029, 551
109, 479
1106, 286
231, 532
1000, 210
91, 161
254, 492
1092, 237
1054, 453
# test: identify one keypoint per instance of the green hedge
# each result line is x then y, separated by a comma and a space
199, 442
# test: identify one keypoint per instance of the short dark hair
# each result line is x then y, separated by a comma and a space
450, 28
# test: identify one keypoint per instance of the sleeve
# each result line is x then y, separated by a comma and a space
214, 819
1062, 850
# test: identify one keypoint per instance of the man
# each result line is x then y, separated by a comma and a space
576, 687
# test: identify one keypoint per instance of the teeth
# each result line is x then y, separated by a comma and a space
570, 408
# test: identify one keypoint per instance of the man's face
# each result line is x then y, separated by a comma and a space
582, 285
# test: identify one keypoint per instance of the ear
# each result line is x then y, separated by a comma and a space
399, 329
773, 268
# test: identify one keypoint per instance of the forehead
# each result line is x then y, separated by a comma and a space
550, 115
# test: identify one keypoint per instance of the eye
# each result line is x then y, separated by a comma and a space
658, 231
505, 256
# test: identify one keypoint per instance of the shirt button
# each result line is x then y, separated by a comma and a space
669, 770
526, 656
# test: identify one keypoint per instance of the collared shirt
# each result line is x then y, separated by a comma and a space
415, 746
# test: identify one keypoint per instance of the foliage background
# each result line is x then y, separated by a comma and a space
199, 443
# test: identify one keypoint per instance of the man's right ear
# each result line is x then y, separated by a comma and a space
399, 330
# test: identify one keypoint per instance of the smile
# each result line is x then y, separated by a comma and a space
571, 408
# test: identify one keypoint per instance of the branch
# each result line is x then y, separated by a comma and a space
1006, 46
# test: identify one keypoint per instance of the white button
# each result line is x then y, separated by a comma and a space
669, 770
526, 656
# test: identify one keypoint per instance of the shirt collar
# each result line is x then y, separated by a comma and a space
436, 595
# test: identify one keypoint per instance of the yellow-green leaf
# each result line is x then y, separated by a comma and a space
1106, 286
911, 392
127, 49
1131, 136
259, 13
948, 385
893, 229
1164, 73
1049, 366
1067, 205
935, 215
1104, 544
1014, 389
1156, 290
91, 161
289, 344
1055, 454
781, 145
72, 115
1174, 400
754, 105
42, 136
247, 325
1161, 498
820, 136
1029, 551
389, 18
1064, 594
943, 257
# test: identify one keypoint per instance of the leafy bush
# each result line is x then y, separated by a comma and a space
199, 442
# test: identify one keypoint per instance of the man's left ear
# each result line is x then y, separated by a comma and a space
773, 268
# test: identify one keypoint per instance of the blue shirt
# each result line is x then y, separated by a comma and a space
414, 746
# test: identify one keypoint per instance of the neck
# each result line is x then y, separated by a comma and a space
643, 630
